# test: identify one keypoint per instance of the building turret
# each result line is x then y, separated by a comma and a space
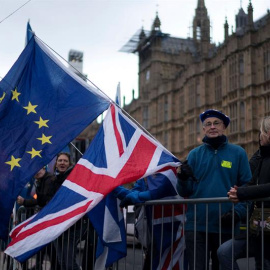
75, 58
142, 35
201, 29
226, 29
201, 23
241, 19
156, 24
250, 15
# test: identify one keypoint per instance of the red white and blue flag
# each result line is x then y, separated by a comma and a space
167, 224
111, 244
120, 153
169, 243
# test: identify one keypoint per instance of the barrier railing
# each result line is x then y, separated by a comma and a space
168, 216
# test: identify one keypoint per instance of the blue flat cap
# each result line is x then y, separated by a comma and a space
217, 114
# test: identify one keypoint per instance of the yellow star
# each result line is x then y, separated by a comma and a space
42, 123
15, 94
30, 108
13, 162
34, 153
3, 96
44, 139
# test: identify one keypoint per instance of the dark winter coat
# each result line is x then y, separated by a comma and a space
59, 179
259, 186
43, 191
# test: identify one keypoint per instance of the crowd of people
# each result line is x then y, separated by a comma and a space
214, 169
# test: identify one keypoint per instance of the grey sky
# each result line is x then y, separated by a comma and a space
99, 28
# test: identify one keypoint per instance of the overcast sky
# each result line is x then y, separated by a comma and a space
99, 28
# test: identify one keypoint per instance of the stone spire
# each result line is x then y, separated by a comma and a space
156, 24
201, 23
250, 15
201, 4
241, 19
142, 34
226, 29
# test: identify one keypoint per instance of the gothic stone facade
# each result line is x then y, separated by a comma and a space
180, 78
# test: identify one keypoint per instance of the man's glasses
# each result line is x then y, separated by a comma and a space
209, 124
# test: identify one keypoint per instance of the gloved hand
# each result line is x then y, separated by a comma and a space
121, 192
186, 172
135, 197
226, 219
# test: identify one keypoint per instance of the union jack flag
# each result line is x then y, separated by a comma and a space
120, 153
168, 243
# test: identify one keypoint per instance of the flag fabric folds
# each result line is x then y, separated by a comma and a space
120, 153
165, 223
111, 245
167, 227
43, 106
108, 221
169, 246
29, 33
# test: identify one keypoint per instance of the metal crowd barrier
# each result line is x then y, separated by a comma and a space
53, 256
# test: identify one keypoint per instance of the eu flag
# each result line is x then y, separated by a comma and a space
43, 106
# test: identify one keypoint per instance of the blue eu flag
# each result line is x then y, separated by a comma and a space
43, 106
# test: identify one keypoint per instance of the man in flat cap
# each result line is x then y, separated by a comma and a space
211, 169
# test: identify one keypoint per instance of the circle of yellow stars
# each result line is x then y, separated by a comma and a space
30, 108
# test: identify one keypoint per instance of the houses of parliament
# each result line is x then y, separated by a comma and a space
180, 78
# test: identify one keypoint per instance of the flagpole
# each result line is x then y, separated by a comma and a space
76, 148
112, 101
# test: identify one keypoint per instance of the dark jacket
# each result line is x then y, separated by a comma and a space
259, 186
43, 191
59, 179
